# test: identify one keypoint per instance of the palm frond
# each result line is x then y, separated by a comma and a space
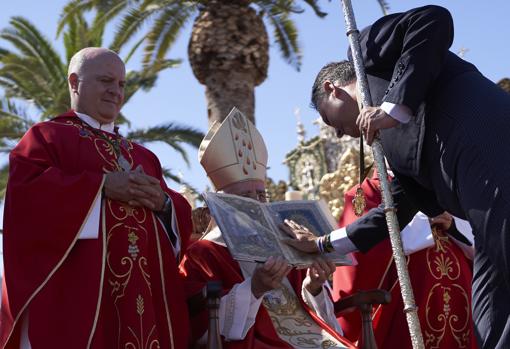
13, 124
172, 134
289, 6
4, 176
18, 83
145, 79
29, 40
106, 11
71, 10
122, 120
130, 24
385, 7
165, 31
133, 49
23, 77
13, 120
285, 35
167, 173
314, 4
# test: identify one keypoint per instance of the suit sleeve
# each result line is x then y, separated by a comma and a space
369, 230
409, 49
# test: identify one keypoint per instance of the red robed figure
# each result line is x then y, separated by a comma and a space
118, 290
205, 261
440, 277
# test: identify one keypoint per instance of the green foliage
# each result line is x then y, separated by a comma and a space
166, 18
171, 134
13, 124
33, 74
4, 175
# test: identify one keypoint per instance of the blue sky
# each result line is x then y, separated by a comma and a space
482, 30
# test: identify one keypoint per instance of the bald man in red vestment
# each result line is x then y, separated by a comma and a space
92, 234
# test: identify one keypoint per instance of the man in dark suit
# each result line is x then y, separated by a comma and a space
444, 129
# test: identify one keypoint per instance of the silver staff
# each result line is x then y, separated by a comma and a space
410, 308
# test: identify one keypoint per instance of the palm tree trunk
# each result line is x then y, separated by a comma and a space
228, 89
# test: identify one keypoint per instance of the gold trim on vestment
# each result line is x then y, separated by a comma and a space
445, 266
57, 265
293, 324
160, 258
103, 259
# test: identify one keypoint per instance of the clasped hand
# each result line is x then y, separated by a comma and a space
270, 275
136, 188
372, 119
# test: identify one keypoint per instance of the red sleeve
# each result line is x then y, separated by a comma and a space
206, 261
45, 208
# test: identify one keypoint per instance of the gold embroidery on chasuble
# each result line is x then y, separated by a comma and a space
293, 324
127, 294
113, 149
453, 318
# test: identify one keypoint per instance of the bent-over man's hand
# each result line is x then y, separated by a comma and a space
136, 188
269, 276
318, 274
443, 221
300, 237
372, 119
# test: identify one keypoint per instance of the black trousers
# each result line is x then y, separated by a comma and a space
467, 151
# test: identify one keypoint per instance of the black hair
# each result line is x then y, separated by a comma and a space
341, 72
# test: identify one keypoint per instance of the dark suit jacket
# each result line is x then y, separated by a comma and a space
407, 61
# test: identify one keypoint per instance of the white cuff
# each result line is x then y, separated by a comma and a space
341, 242
398, 112
417, 235
314, 302
322, 306
90, 229
238, 310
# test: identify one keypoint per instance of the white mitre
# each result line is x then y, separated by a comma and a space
233, 151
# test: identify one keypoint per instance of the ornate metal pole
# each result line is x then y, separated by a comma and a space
410, 308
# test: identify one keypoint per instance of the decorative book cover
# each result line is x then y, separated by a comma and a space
250, 228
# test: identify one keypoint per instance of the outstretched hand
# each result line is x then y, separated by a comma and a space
372, 119
269, 276
300, 237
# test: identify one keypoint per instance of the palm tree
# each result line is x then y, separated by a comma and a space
13, 125
35, 74
228, 48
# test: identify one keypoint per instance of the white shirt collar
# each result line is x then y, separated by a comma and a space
109, 127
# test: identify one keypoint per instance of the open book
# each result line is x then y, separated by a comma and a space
250, 228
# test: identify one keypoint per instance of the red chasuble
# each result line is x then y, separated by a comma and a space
441, 280
121, 290
205, 261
